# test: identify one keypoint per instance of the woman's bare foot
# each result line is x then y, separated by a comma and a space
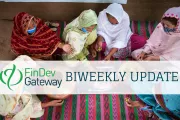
50, 24
137, 104
54, 29
55, 24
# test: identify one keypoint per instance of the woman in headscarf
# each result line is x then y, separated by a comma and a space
114, 33
164, 43
32, 37
23, 106
80, 34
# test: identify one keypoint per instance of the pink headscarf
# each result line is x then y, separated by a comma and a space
162, 44
174, 13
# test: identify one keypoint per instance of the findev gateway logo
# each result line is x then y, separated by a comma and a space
6, 76
32, 77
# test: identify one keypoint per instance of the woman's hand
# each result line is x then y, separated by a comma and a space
58, 97
141, 56
131, 103
107, 58
93, 53
53, 103
152, 58
111, 53
92, 50
67, 48
98, 45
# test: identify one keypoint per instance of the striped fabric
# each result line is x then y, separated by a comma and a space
94, 107
99, 107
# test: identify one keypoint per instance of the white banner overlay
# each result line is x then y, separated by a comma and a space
90, 77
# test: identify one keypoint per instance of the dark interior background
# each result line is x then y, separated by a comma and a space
137, 9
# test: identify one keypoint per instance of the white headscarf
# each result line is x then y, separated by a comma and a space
116, 36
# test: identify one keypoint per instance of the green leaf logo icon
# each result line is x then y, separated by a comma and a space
10, 77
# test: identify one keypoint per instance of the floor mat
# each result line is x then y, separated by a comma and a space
99, 107
94, 107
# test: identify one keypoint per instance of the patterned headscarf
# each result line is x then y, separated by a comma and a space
42, 43
174, 13
85, 19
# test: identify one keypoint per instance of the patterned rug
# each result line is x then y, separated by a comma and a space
94, 107
99, 107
